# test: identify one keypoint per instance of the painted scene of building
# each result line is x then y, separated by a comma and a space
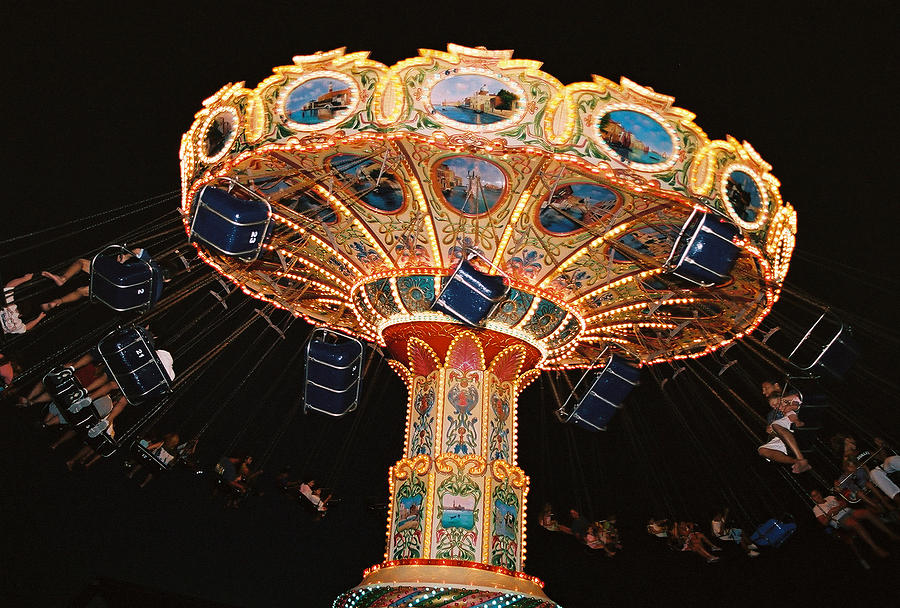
370, 181
575, 206
636, 137
474, 100
470, 185
318, 100
458, 511
409, 509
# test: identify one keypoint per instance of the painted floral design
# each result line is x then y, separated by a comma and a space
526, 265
364, 254
409, 251
422, 434
462, 429
498, 438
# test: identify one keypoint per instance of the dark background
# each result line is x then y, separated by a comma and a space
96, 100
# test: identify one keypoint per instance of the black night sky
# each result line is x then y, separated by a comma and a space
97, 98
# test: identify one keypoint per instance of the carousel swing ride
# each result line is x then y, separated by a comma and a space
480, 222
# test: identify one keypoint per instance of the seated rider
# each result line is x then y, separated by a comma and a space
87, 372
165, 450
658, 527
834, 512
721, 530
783, 414
17, 313
548, 518
105, 384
855, 485
235, 472
108, 411
9, 369
609, 535
579, 526
81, 268
693, 540
594, 537
313, 494
845, 446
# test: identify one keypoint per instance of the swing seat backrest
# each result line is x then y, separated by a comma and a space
607, 394
469, 295
63, 387
333, 372
230, 225
150, 458
130, 285
130, 358
828, 345
704, 252
69, 396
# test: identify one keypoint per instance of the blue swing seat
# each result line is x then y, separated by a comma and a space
136, 283
773, 533
75, 408
828, 346
151, 459
608, 392
230, 225
704, 252
68, 395
333, 373
469, 295
130, 358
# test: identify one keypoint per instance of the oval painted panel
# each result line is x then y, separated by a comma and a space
651, 241
654, 284
743, 196
575, 206
470, 185
311, 207
636, 137
318, 100
473, 99
369, 181
701, 310
303, 203
219, 132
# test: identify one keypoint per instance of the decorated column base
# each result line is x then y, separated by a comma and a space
439, 583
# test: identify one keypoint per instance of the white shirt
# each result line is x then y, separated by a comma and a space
165, 357
11, 320
830, 503
308, 494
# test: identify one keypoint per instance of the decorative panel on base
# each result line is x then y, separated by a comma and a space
444, 584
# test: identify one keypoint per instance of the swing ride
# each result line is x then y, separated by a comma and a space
481, 222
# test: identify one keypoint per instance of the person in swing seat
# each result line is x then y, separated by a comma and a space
880, 463
686, 538
783, 414
721, 529
80, 271
834, 512
855, 484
